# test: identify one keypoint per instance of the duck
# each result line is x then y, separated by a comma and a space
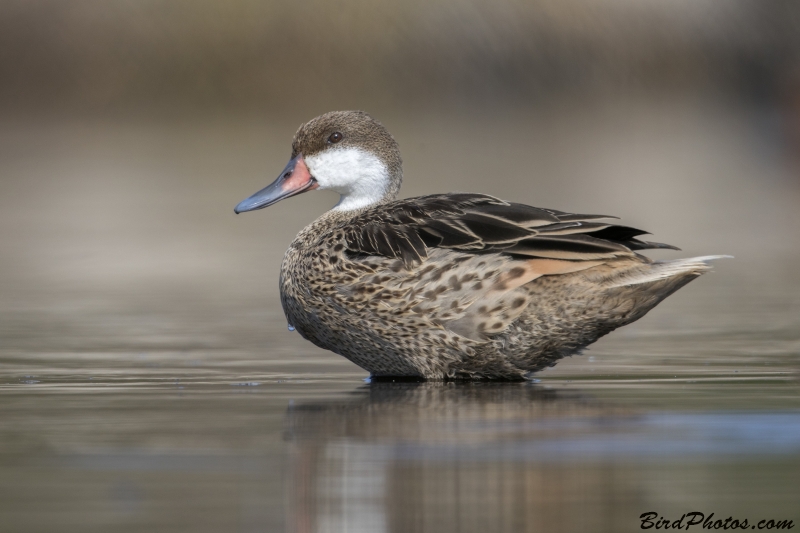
454, 286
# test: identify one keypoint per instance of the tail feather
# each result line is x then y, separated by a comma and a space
661, 270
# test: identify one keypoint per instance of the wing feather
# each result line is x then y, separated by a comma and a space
408, 229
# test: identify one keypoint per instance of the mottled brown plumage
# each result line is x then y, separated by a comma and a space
450, 286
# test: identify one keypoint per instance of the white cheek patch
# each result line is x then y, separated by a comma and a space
359, 176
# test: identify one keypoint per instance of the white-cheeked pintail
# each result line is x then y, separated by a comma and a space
450, 286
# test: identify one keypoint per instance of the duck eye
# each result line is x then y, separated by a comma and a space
335, 137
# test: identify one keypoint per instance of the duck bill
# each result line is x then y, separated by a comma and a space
294, 179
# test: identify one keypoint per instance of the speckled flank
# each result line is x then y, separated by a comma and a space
461, 286
397, 322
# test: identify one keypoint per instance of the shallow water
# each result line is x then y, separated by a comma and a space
148, 381
182, 442
674, 415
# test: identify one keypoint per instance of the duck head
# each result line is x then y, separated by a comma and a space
344, 151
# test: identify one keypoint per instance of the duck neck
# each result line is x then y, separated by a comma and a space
365, 194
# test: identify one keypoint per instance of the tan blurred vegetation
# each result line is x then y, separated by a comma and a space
104, 57
130, 129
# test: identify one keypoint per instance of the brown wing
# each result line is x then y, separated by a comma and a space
408, 229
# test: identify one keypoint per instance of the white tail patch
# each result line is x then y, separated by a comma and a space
665, 270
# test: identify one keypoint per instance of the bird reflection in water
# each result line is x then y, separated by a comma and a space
446, 457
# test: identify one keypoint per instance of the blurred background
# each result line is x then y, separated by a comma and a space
130, 129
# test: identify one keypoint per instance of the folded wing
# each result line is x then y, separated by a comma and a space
409, 229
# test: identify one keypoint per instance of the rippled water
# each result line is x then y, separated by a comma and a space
148, 381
